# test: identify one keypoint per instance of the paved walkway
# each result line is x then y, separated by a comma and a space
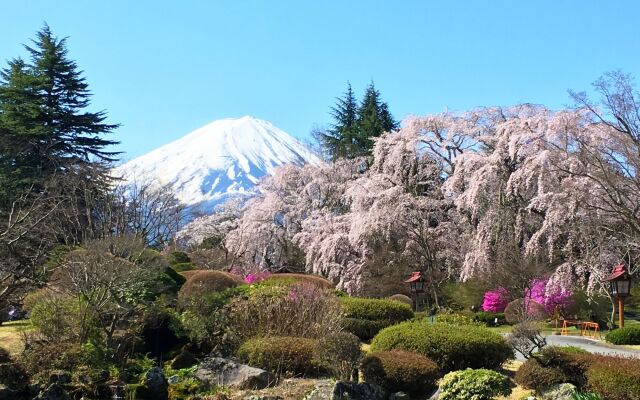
590, 345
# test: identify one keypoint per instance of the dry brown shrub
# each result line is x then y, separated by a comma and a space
207, 281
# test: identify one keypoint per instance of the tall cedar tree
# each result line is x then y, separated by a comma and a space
374, 119
339, 140
354, 126
44, 127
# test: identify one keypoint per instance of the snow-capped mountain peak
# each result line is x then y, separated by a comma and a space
224, 158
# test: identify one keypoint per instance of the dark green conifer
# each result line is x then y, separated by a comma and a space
44, 126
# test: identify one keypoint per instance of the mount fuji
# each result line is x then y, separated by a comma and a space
222, 159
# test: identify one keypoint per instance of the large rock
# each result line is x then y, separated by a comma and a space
53, 392
345, 390
156, 383
216, 371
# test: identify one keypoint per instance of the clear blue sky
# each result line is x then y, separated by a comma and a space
164, 68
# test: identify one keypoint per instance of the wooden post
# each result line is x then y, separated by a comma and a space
621, 312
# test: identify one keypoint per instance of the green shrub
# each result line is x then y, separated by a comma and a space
301, 310
178, 257
366, 317
533, 375
175, 276
456, 319
489, 318
614, 378
376, 309
339, 353
282, 355
402, 299
451, 347
626, 335
363, 328
585, 396
399, 370
554, 365
478, 384
208, 281
181, 267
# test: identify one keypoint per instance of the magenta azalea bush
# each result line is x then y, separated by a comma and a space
496, 300
256, 277
540, 292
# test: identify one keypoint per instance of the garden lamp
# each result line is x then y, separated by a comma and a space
619, 287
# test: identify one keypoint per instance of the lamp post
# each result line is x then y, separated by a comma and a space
619, 287
416, 286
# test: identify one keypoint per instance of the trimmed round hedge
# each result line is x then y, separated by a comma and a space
207, 281
399, 370
283, 355
452, 347
402, 299
366, 317
626, 335
477, 384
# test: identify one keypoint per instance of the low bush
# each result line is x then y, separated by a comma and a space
451, 347
489, 318
293, 278
554, 365
399, 370
182, 267
533, 375
376, 309
287, 356
178, 257
626, 335
456, 318
189, 273
175, 276
366, 317
517, 311
208, 281
478, 384
339, 353
402, 299
364, 328
614, 378
300, 310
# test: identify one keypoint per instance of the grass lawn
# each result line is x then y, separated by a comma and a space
10, 335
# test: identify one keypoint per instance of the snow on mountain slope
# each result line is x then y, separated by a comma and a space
223, 158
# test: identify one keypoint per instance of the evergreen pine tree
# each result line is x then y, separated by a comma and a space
339, 139
44, 127
373, 120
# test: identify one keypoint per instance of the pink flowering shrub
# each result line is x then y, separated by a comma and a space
256, 277
496, 300
549, 297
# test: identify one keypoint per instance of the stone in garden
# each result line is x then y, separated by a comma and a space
156, 383
53, 392
346, 390
216, 371
399, 396
563, 391
6, 393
